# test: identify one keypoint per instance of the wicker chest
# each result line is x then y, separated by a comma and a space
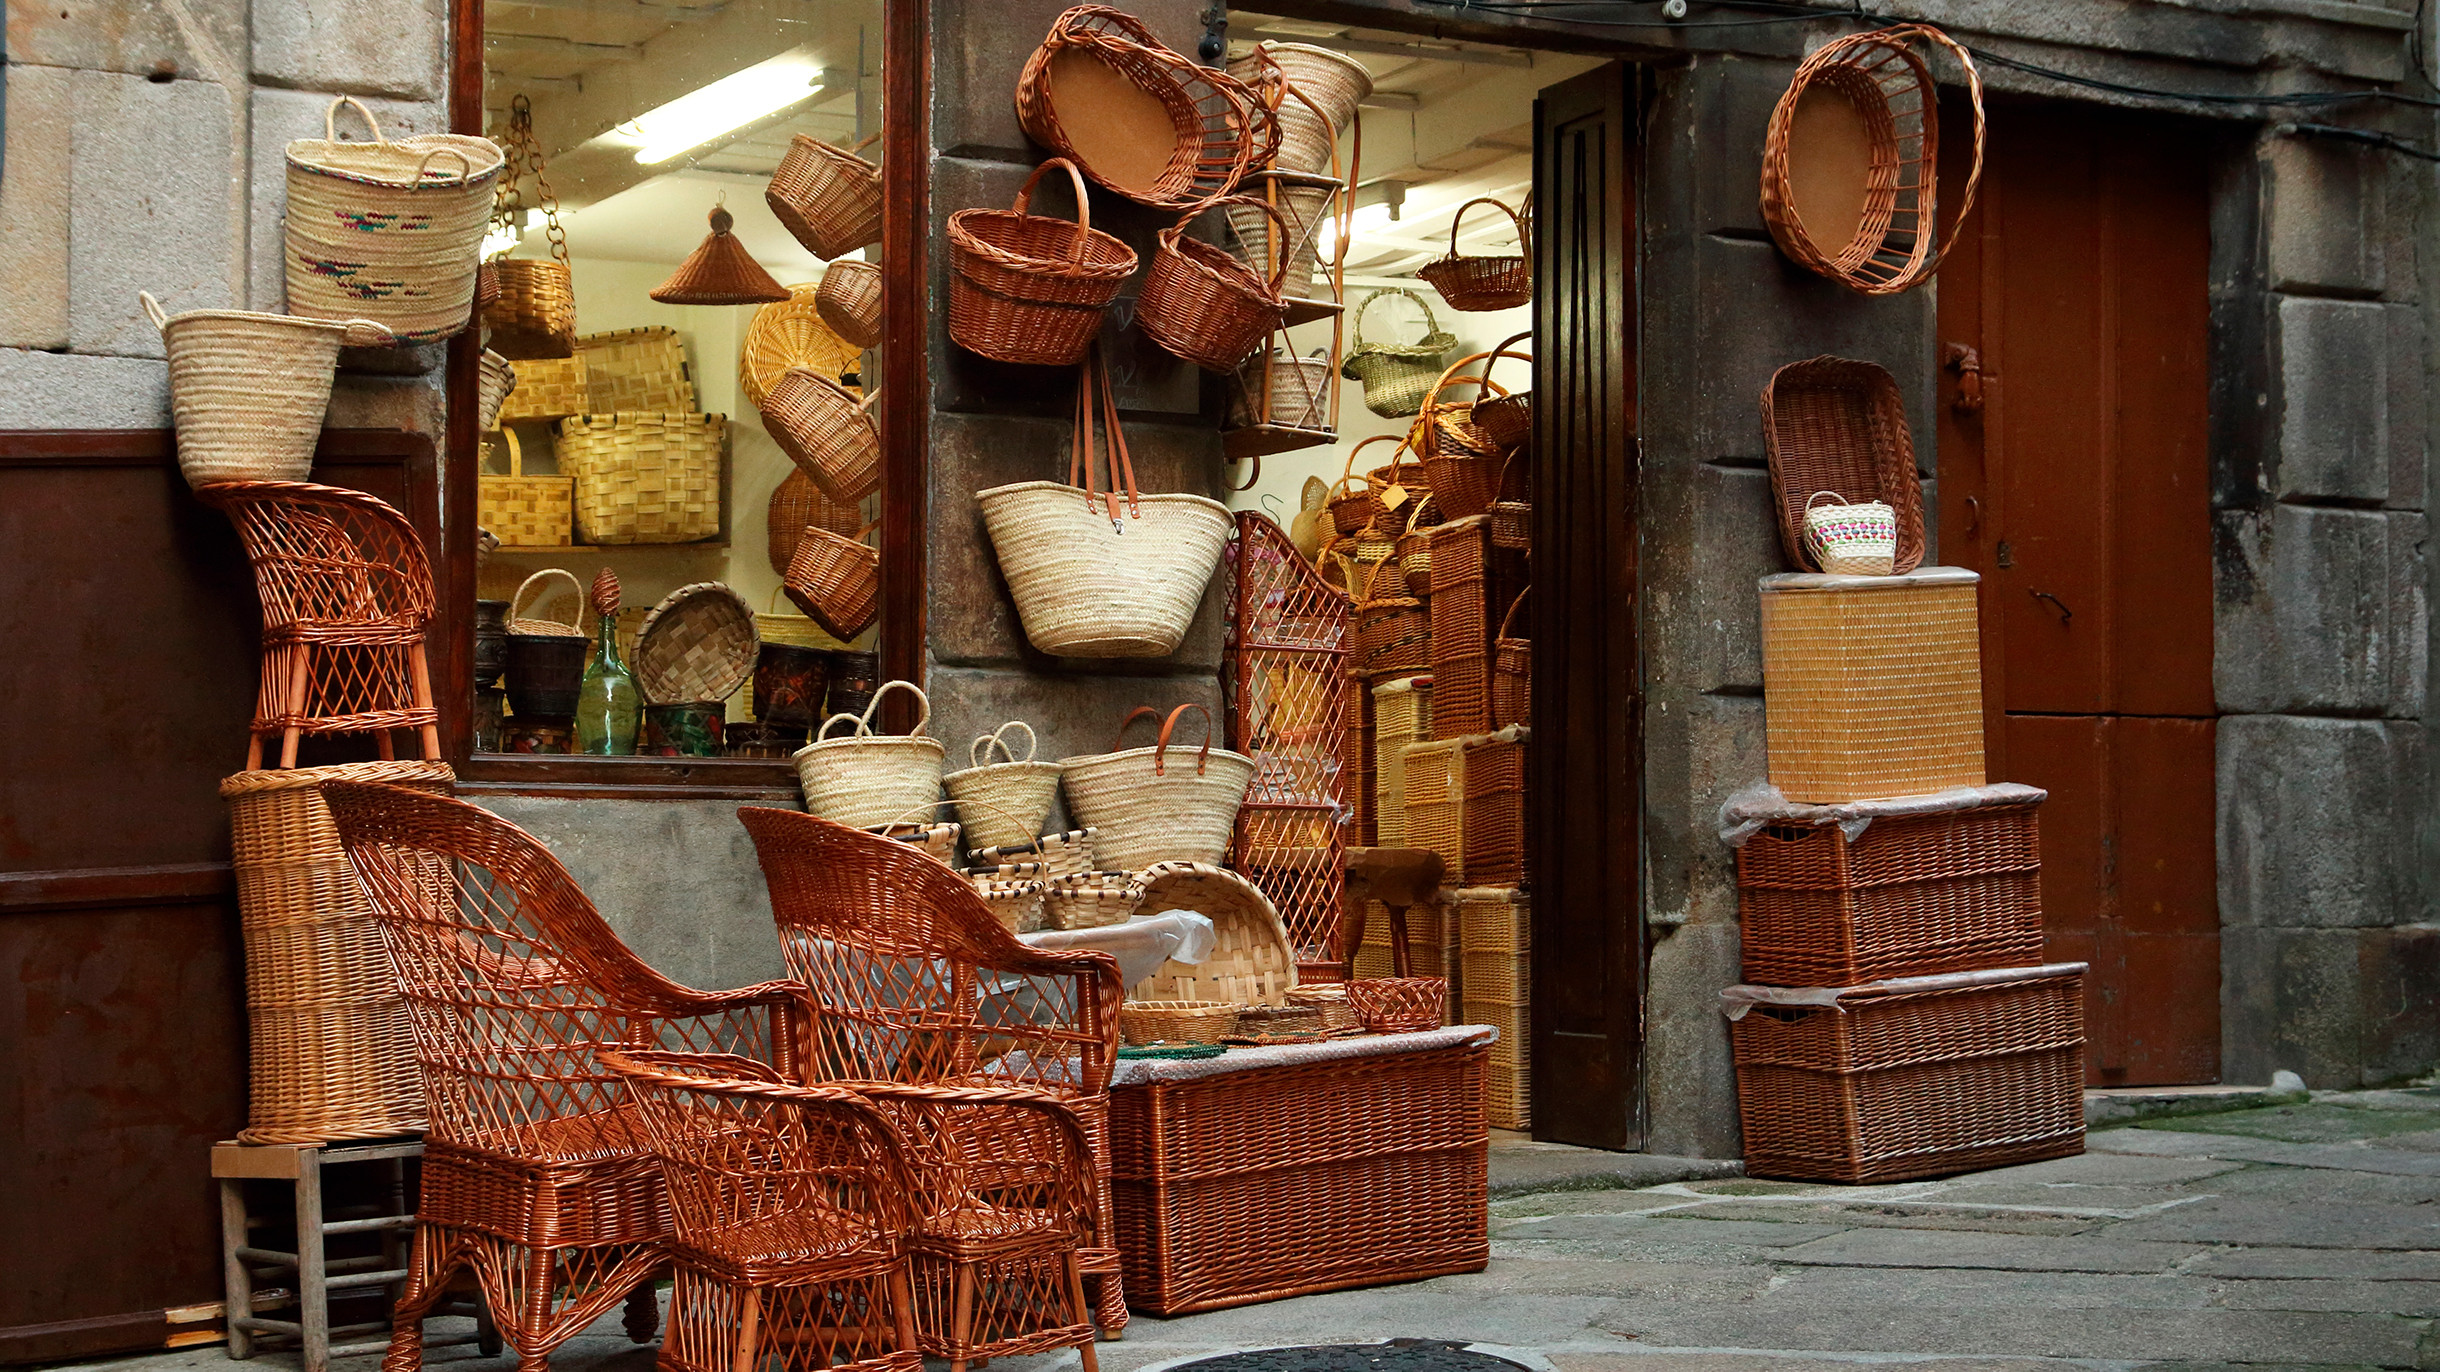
1872, 685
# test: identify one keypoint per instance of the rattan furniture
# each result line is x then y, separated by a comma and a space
1005, 1054
791, 1205
347, 594
536, 1174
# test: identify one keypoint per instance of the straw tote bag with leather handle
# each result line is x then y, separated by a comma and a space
1158, 804
1095, 574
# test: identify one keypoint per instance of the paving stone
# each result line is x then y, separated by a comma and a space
1980, 1288
2092, 1169
1676, 1360
2316, 1264
153, 167
1893, 1215
34, 202
1532, 1168
366, 47
2410, 1298
2311, 1184
2343, 1158
1767, 1233
1861, 1326
2250, 1220
2316, 1122
2007, 1252
1649, 1281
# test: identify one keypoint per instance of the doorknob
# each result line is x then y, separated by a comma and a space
1967, 363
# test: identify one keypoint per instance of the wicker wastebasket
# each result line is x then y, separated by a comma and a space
1872, 685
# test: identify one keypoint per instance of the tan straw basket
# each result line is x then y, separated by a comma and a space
644, 478
1299, 396
1176, 1021
248, 391
524, 511
535, 317
1090, 900
494, 381
1502, 282
547, 388
386, 231
1057, 855
827, 196
698, 644
636, 369
1332, 85
1151, 805
866, 778
1293, 247
1330, 1002
1016, 904
1252, 961
826, 431
791, 333
1031, 288
1004, 802
836, 580
1103, 92
573, 628
849, 301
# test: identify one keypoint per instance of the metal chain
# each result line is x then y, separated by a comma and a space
526, 152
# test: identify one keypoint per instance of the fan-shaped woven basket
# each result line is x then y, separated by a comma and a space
792, 333
1850, 163
1331, 85
698, 644
1251, 961
1152, 125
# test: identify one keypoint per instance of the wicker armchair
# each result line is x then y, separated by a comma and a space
996, 1059
347, 593
792, 1210
536, 1174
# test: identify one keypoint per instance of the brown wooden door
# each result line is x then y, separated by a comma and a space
2074, 328
1586, 805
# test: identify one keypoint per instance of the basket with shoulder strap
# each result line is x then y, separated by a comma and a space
1156, 804
828, 197
1397, 376
1496, 282
535, 315
387, 232
525, 511
867, 778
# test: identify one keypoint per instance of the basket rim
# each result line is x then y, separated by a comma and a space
1164, 497
300, 153
684, 601
269, 779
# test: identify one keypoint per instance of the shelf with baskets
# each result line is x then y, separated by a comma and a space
1280, 401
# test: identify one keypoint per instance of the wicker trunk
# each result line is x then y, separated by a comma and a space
1872, 686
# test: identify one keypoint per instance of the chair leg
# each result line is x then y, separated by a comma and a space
254, 752
961, 1318
419, 672
297, 682
749, 1332
1083, 1312
428, 1274
902, 1305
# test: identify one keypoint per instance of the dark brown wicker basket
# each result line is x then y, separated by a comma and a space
1511, 670
1220, 128
1484, 283
829, 198
1833, 424
1030, 288
1203, 302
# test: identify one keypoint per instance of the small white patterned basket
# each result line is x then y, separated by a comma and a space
1851, 539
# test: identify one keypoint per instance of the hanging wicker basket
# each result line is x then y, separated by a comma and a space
1331, 86
1832, 424
1511, 671
1104, 93
836, 580
248, 391
1506, 421
792, 333
1299, 397
698, 644
1462, 462
827, 431
1850, 164
1004, 802
799, 501
1292, 245
720, 272
1200, 301
1031, 288
531, 315
1501, 282
849, 301
644, 478
1397, 376
1151, 805
867, 778
827, 196
389, 232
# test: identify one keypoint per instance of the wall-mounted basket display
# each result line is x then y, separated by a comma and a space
1837, 425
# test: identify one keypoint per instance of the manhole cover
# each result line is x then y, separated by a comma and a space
1394, 1355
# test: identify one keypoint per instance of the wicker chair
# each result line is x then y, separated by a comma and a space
347, 593
792, 1209
536, 1174
996, 1059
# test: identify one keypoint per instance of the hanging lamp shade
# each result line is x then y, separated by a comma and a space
720, 272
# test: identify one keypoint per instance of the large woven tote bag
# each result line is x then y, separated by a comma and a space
1096, 574
1158, 804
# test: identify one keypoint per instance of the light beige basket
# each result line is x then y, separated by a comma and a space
1299, 398
1333, 82
1176, 1021
867, 778
636, 370
1436, 802
547, 388
1086, 586
791, 333
525, 511
1004, 802
1053, 855
1016, 904
573, 628
849, 301
1402, 714
1091, 900
1252, 961
1303, 203
387, 231
1330, 1002
496, 380
1157, 804
644, 478
248, 391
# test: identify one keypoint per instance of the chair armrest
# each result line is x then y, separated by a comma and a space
964, 1111
727, 1022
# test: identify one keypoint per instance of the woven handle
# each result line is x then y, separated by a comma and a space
1169, 236
153, 310
923, 716
1431, 322
516, 459
330, 121
1420, 507
424, 168
980, 748
1503, 349
547, 572
1084, 204
1509, 619
1460, 218
1965, 199
1350, 469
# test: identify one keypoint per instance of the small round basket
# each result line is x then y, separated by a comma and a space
1016, 903
827, 196
934, 839
1004, 802
1176, 1021
849, 301
1399, 1005
698, 644
1091, 900
535, 626
792, 333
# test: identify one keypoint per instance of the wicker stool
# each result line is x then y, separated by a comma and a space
347, 593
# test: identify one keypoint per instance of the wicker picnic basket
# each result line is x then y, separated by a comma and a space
870, 778
1512, 670
532, 313
1147, 805
1031, 288
1200, 301
644, 477
792, 333
248, 391
698, 644
524, 511
1176, 1021
1252, 960
535, 625
1461, 461
494, 380
796, 503
636, 369
1108, 71
1499, 282
836, 580
829, 198
1837, 425
1003, 802
1506, 420
333, 1049
1090, 900
548, 388
1321, 91
389, 232
826, 431
849, 300
1397, 377
1878, 233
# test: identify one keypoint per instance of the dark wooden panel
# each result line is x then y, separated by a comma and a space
906, 230
1585, 805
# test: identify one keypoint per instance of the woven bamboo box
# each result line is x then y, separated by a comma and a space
1495, 939
1280, 1180
1436, 803
547, 388
636, 369
1872, 685
1402, 714
1981, 1069
1494, 815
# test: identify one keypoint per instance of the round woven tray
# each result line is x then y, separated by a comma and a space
792, 333
698, 644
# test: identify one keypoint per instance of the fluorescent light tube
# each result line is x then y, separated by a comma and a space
728, 104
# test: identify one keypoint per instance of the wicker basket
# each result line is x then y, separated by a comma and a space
333, 1052
525, 511
1017, 905
573, 628
1497, 767
1506, 421
1331, 86
1495, 941
1103, 66
1878, 234
1199, 301
1835, 425
836, 580
1402, 714
1872, 685
1009, 800
1090, 900
1252, 959
829, 198
1502, 282
1397, 376
1299, 397
547, 388
1511, 672
792, 333
915, 829
1399, 1005
386, 231
636, 369
1058, 855
1176, 1021
248, 391
1462, 463
1300, 204
797, 502
849, 300
534, 319
1031, 288
1354, 500
494, 380
698, 644
1330, 1002
869, 778
1393, 632
644, 478
1461, 628
1436, 800
1147, 806
1894, 1083
826, 431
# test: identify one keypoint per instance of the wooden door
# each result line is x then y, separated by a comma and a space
1586, 801
2074, 325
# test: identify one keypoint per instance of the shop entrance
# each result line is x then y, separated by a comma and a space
2074, 424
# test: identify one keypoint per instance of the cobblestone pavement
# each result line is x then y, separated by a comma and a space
2292, 1236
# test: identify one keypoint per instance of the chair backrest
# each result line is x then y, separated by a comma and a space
910, 976
512, 977
324, 555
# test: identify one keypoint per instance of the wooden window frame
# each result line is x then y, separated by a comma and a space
905, 424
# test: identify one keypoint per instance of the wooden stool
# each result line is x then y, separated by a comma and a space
318, 1277
1399, 878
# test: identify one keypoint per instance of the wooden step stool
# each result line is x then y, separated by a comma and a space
317, 1277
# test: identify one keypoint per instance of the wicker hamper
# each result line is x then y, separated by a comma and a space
1915, 1078
1494, 816
1436, 799
1872, 685
645, 477
1495, 943
1402, 714
1461, 627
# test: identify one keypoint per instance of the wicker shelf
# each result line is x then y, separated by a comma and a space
1261, 440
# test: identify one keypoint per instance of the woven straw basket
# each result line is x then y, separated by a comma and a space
1252, 961
333, 1048
573, 628
249, 390
1176, 1021
387, 231
1032, 288
1057, 855
1210, 129
1003, 802
1500, 282
867, 778
1088, 587
1302, 203
795, 503
524, 511
644, 478
698, 644
534, 320
1091, 900
849, 301
836, 580
1016, 904
495, 380
1332, 85
826, 431
1397, 376
1148, 805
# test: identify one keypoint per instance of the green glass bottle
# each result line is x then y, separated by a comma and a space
609, 706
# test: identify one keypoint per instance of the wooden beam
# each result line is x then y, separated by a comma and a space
906, 395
